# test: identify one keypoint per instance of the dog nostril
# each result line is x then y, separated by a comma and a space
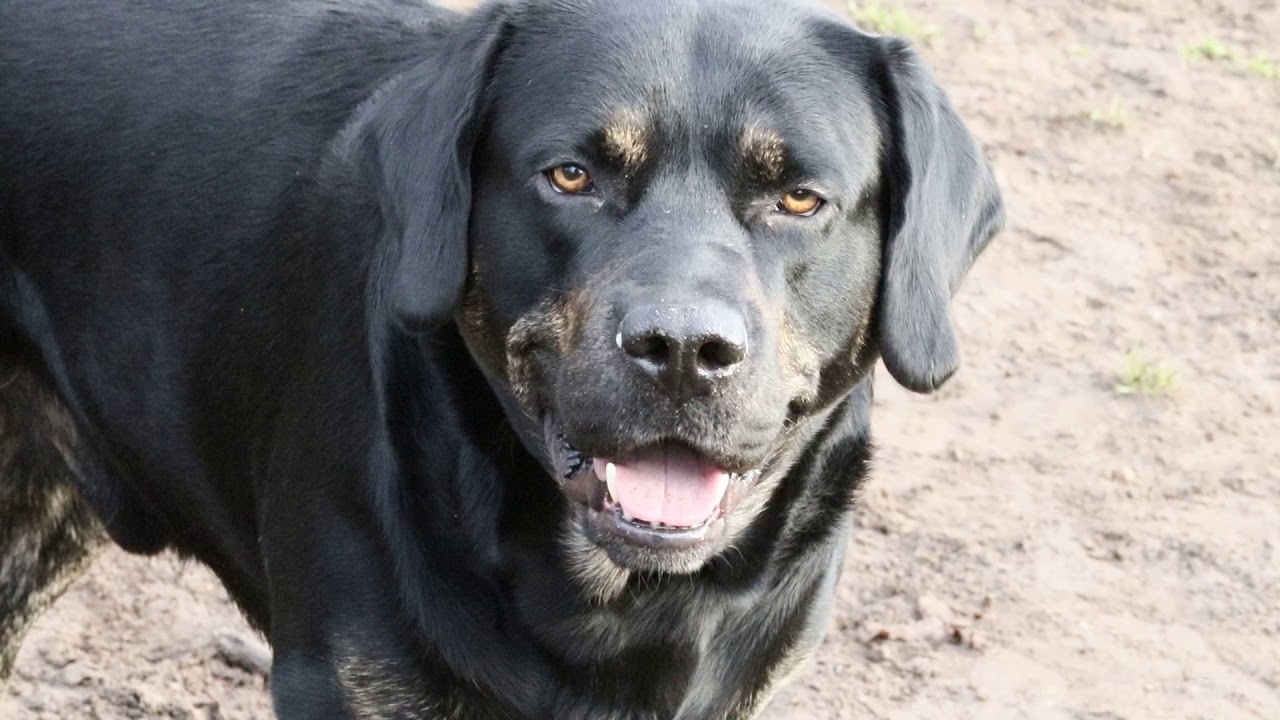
718, 354
653, 349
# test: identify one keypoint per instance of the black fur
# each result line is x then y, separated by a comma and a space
943, 208
294, 297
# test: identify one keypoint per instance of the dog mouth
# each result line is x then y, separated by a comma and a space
660, 496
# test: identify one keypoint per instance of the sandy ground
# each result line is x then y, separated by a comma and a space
1034, 543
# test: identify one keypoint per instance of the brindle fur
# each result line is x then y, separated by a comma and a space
48, 535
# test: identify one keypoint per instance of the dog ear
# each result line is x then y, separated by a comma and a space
420, 134
943, 206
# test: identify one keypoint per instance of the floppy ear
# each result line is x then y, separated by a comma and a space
421, 131
943, 207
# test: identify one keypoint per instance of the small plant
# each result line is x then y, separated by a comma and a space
893, 20
1115, 116
1141, 376
1215, 50
1208, 49
1263, 66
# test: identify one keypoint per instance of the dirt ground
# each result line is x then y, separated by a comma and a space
1036, 542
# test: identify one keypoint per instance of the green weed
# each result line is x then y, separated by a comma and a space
1142, 376
1263, 66
1113, 116
1208, 49
1214, 50
892, 20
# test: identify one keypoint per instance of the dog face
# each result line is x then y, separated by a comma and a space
690, 228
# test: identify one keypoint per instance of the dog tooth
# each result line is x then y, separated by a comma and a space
610, 477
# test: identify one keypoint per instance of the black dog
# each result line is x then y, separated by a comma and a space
507, 366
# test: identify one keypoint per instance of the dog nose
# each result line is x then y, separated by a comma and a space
684, 348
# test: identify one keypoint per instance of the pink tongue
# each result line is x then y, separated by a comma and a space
669, 485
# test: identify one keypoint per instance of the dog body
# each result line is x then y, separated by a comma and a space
508, 365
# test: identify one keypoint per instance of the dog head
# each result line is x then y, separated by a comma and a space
672, 231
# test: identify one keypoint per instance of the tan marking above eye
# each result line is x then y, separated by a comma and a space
626, 140
765, 153
800, 202
570, 179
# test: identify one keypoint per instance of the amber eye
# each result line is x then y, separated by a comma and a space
800, 202
570, 179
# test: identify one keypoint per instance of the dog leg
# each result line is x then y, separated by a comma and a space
48, 534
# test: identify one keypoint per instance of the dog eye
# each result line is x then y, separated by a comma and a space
570, 179
800, 202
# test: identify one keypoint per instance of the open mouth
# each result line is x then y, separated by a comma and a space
661, 496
